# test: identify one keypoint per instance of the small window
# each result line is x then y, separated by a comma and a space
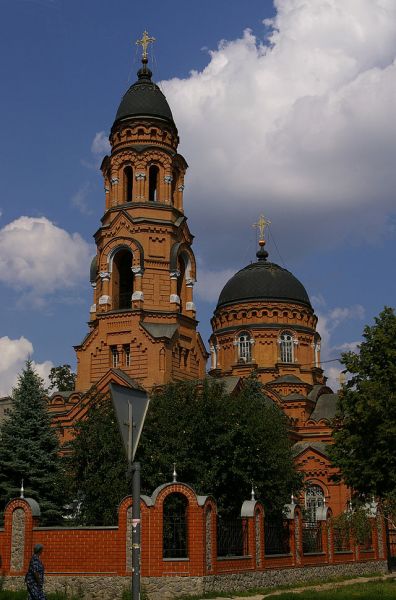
115, 357
127, 355
286, 347
244, 347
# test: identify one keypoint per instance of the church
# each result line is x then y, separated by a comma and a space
142, 323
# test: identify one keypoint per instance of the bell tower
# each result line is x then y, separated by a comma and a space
142, 319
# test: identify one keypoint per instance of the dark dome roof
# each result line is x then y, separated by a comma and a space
263, 280
144, 99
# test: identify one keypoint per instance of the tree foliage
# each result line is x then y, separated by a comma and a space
97, 465
365, 427
30, 450
62, 378
221, 444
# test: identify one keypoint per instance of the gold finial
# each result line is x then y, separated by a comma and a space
261, 225
144, 42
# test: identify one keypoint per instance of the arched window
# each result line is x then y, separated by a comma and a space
174, 535
128, 184
314, 499
153, 183
286, 347
175, 177
181, 281
244, 343
122, 280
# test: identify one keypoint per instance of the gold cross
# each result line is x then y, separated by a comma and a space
261, 224
144, 42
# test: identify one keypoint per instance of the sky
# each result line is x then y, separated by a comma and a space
284, 108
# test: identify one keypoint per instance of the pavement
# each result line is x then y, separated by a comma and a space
317, 587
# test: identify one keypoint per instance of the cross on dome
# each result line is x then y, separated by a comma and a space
144, 42
261, 225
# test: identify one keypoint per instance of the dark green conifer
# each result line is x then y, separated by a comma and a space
97, 465
29, 449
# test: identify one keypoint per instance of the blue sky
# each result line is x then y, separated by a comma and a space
285, 109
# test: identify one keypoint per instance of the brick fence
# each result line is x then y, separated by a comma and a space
97, 560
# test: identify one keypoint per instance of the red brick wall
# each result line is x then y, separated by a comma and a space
103, 550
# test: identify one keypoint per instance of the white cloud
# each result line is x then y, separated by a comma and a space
348, 346
210, 283
39, 258
79, 199
328, 322
13, 355
304, 123
100, 144
333, 377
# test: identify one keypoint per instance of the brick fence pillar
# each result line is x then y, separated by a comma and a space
20, 516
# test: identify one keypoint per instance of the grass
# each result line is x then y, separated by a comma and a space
374, 590
268, 590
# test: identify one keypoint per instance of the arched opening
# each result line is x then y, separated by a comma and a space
175, 177
122, 280
153, 183
244, 345
181, 281
314, 499
128, 183
174, 535
286, 347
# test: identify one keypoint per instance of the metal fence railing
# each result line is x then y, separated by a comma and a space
232, 537
277, 537
342, 540
312, 537
175, 536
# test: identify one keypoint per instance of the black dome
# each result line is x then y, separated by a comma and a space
144, 99
263, 280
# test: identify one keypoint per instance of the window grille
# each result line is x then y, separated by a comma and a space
314, 499
286, 347
127, 355
244, 348
115, 357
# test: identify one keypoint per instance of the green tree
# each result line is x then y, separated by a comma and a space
365, 427
97, 465
220, 443
30, 450
62, 378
